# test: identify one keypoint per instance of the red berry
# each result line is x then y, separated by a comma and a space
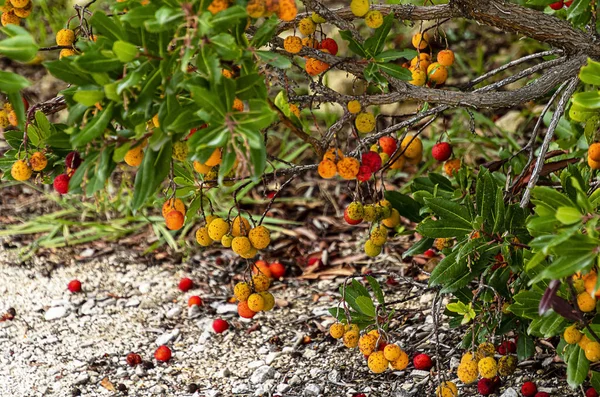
441, 151
133, 359
568, 3
348, 220
329, 45
591, 392
277, 270
501, 349
272, 194
186, 284
359, 395
73, 160
558, 5
61, 183
371, 160
388, 145
391, 281
528, 389
195, 300
542, 394
220, 326
74, 286
162, 354
314, 261
485, 387
423, 362
25, 103
364, 173
429, 253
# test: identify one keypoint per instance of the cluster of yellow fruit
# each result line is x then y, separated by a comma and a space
23, 169
483, 364
253, 297
334, 162
423, 69
380, 355
237, 235
591, 348
14, 10
593, 157
66, 38
8, 116
383, 218
362, 8
286, 10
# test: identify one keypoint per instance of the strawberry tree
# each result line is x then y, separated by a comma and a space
187, 101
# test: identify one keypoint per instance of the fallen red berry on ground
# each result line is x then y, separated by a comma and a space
186, 284
485, 387
133, 359
542, 394
528, 389
277, 270
162, 354
422, 362
195, 300
591, 392
220, 326
74, 286
429, 253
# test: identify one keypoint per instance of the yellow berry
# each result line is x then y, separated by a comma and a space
24, 12
226, 240
256, 302
240, 226
365, 122
351, 339
317, 18
367, 344
292, 44
306, 26
180, 151
507, 365
379, 235
269, 300
468, 356
584, 341
261, 282
214, 159
337, 330
572, 335
20, 171
354, 106
485, 349
201, 168
592, 351
419, 77
202, 237
359, 7
437, 73
250, 254
386, 208
241, 245
355, 211
351, 327
259, 237
467, 372
9, 18
420, 41
374, 19
393, 220
392, 352
19, 3
377, 362
586, 302
65, 37
38, 161
3, 119
371, 249
412, 148
242, 291
218, 228
401, 362
487, 367
134, 156
446, 389
445, 58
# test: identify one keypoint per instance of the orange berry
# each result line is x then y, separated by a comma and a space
244, 311
218, 5
420, 41
422, 61
292, 44
451, 167
173, 204
594, 151
330, 154
437, 74
174, 220
348, 168
445, 58
287, 10
327, 169
261, 267
214, 159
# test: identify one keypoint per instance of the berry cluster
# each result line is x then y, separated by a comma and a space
14, 10
362, 8
253, 296
382, 217
423, 69
483, 364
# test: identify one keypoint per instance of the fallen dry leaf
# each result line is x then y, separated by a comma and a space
105, 383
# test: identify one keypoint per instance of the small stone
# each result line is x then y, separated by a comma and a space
194, 311
261, 374
174, 312
54, 313
144, 288
81, 379
271, 357
255, 364
239, 388
295, 380
224, 373
167, 337
510, 392
312, 389
140, 371
283, 387
211, 393
133, 302
419, 374
454, 362
87, 307
227, 308
333, 376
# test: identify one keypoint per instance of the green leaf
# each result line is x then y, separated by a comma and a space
485, 192
125, 52
590, 73
405, 205
226, 46
595, 380
88, 97
588, 99
499, 213
526, 304
153, 170
12, 82
95, 62
274, 59
551, 197
94, 128
447, 270
395, 71
568, 215
577, 367
392, 55
137, 16
374, 44
525, 347
442, 228
376, 289
107, 27
229, 17
354, 45
419, 247
365, 303
450, 211
20, 46
66, 71
265, 32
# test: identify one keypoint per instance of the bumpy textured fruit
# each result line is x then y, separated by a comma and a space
306, 26
371, 160
315, 66
348, 168
369, 213
372, 249
292, 44
202, 237
245, 311
377, 362
173, 204
401, 362
586, 302
241, 245
359, 7
261, 267
65, 37
385, 206
354, 106
487, 367
446, 389
329, 45
351, 327
269, 300
419, 77
217, 6
445, 58
180, 151
220, 326
437, 73
374, 19
61, 183
240, 226
412, 147
3, 119
422, 61
19, 3
365, 122
256, 302
259, 237
287, 10
393, 220
214, 159
388, 145
367, 344
295, 110
38, 161
20, 170
485, 349
594, 151
134, 157
507, 365
9, 18
317, 18
420, 41
174, 220
242, 291
595, 165
226, 240
468, 356
260, 282
451, 167
584, 341
379, 235
310, 42
65, 52
351, 339
218, 228
485, 386
162, 354
441, 151
528, 389
194, 300
327, 169
277, 270
392, 352
572, 335
422, 362
592, 351
467, 372
355, 211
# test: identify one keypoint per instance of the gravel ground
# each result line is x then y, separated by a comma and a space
63, 344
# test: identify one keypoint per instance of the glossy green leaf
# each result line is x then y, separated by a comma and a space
152, 172
94, 128
12, 82
125, 52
